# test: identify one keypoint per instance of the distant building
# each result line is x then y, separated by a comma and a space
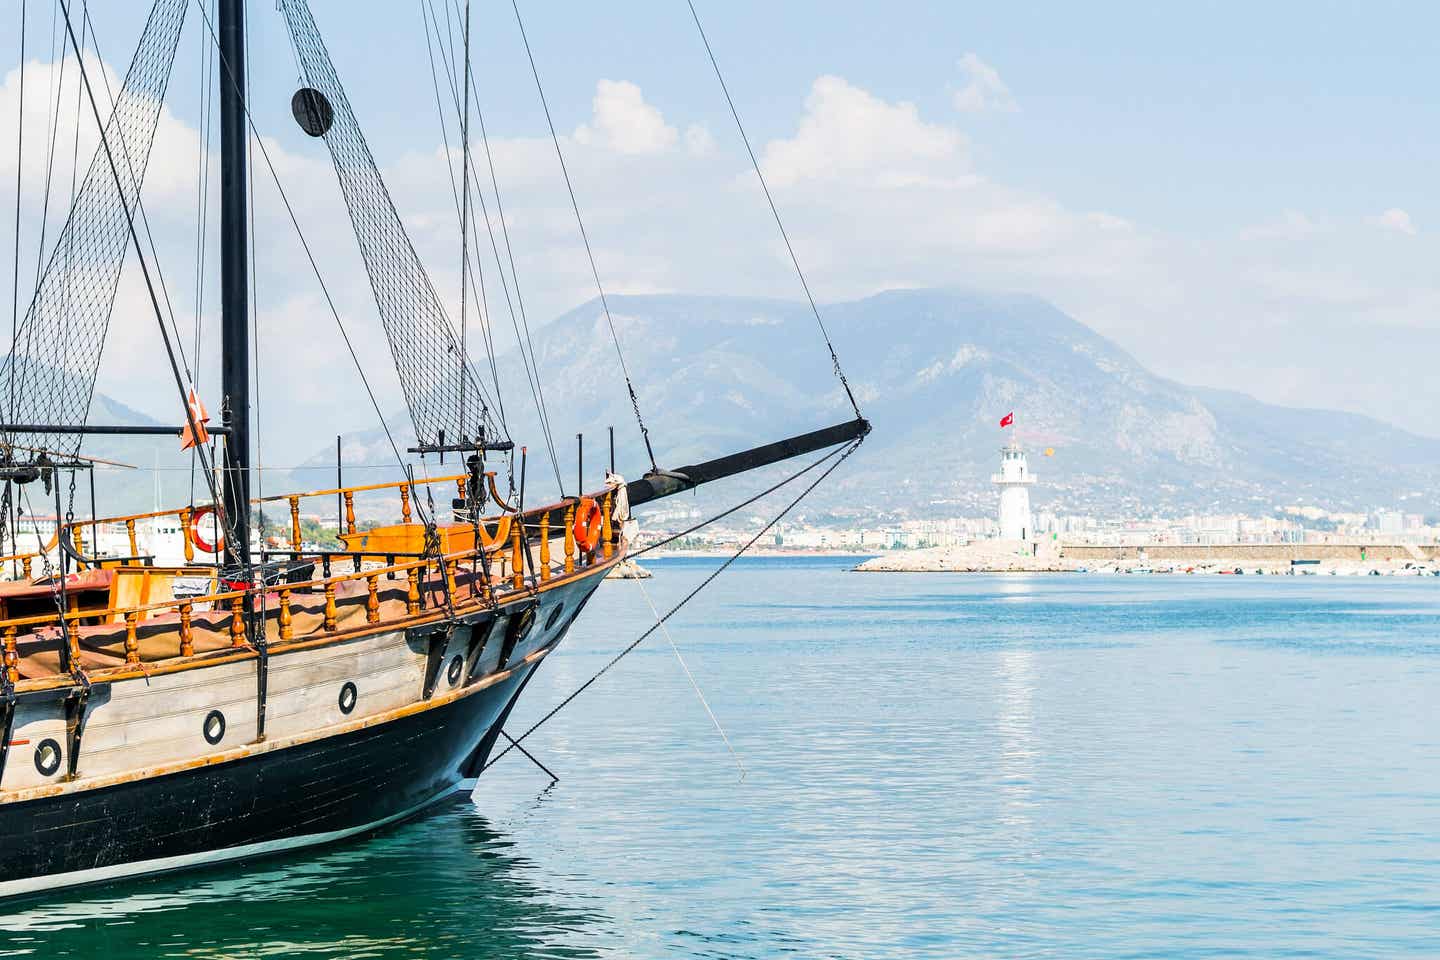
1014, 480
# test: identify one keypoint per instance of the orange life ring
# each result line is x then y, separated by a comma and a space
219, 545
588, 524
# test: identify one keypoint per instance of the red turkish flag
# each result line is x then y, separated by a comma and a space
1008, 420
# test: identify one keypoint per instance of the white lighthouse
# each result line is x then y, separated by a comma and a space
1014, 481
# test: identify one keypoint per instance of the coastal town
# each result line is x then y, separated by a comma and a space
1289, 538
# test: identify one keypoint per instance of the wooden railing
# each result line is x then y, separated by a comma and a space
23, 564
529, 567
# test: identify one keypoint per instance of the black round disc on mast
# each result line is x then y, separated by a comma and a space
312, 111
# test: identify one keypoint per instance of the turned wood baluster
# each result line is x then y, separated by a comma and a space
237, 621
405, 504
349, 511
570, 539
132, 642
285, 619
460, 486
130, 532
294, 523
545, 545
72, 635
412, 591
517, 555
330, 616
185, 515
12, 656
79, 540
607, 530
25, 567
372, 602
187, 633
449, 566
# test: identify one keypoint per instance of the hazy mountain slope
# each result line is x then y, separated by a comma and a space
935, 370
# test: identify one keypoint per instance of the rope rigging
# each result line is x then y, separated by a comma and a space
259, 141
421, 339
531, 366
52, 375
844, 454
585, 237
465, 212
460, 213
19, 176
774, 211
134, 236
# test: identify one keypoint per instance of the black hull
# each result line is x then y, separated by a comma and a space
305, 794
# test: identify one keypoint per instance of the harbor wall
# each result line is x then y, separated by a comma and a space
1248, 552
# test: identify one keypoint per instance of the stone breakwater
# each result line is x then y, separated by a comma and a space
1011, 556
980, 556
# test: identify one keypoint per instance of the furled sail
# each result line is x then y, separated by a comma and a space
49, 377
441, 390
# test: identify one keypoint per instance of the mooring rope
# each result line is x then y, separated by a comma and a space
660, 621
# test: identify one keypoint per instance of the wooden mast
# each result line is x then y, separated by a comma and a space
234, 277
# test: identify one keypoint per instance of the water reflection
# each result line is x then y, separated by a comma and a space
1015, 727
445, 885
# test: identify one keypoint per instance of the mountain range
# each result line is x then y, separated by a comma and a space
934, 370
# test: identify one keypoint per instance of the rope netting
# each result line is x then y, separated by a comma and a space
435, 377
50, 372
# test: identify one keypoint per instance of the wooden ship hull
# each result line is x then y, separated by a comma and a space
396, 752
258, 700
153, 735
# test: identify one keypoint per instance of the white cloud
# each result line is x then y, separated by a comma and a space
698, 140
984, 89
874, 194
1395, 219
1290, 225
850, 134
624, 122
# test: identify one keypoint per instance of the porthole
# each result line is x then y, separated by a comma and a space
457, 666
47, 757
348, 696
554, 617
213, 728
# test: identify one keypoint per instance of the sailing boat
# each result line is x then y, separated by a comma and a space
249, 699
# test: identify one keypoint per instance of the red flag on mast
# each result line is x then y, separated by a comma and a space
1008, 420
198, 414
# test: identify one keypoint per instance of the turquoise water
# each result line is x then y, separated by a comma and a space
937, 766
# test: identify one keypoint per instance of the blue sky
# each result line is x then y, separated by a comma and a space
1239, 194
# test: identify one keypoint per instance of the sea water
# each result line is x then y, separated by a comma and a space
933, 766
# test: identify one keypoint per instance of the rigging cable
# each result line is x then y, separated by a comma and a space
417, 326
594, 270
6, 517
532, 372
532, 363
19, 171
455, 195
774, 210
135, 239
465, 217
314, 266
140, 206
689, 676
52, 133
660, 621
202, 221
735, 509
